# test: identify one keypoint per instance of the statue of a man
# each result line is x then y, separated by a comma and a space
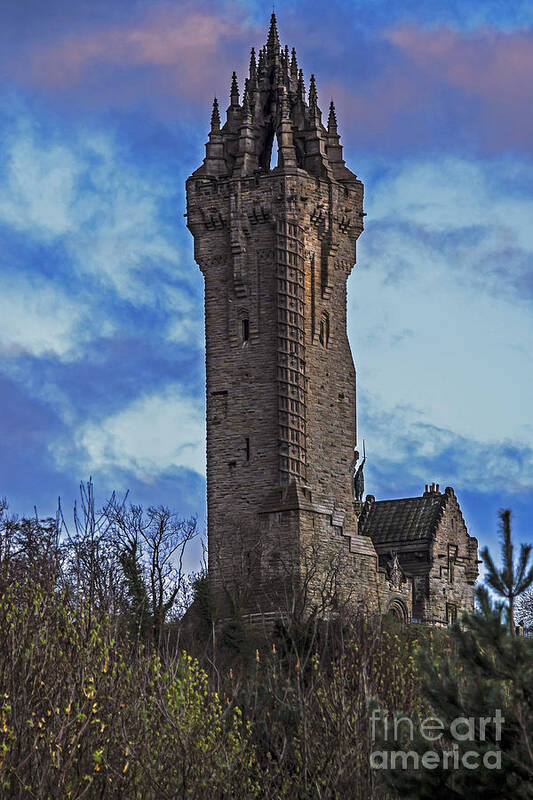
358, 476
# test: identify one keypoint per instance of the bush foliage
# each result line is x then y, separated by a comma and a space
89, 711
105, 692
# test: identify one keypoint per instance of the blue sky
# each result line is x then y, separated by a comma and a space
104, 112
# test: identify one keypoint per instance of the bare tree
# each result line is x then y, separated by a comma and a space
152, 544
93, 569
30, 549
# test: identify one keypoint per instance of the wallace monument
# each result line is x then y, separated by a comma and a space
275, 238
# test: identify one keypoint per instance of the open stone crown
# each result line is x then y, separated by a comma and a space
274, 105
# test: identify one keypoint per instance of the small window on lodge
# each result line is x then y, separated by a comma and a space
245, 330
451, 613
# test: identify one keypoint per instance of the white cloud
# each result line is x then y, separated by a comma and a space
38, 191
87, 196
481, 210
404, 449
186, 325
427, 332
39, 318
107, 221
156, 432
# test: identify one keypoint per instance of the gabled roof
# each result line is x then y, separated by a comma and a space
404, 520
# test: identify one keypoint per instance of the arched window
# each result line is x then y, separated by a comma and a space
323, 334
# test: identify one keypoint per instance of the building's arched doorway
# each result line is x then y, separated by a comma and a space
397, 610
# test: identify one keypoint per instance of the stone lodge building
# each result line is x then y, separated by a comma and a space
275, 239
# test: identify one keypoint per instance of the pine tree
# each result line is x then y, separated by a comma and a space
508, 582
479, 696
487, 676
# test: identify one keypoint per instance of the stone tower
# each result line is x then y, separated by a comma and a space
275, 238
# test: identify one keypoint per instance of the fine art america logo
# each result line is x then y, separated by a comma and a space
456, 742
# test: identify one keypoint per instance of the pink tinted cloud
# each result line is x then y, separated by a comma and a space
490, 69
488, 63
186, 49
439, 88
420, 87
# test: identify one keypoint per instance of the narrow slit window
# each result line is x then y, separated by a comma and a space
324, 330
247, 449
452, 557
245, 329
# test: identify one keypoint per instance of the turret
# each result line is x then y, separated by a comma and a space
214, 162
286, 149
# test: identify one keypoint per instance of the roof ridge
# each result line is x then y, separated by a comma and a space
405, 518
428, 496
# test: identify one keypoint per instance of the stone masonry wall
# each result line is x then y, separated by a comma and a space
453, 570
275, 251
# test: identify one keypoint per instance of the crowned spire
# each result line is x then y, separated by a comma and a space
272, 101
215, 117
273, 38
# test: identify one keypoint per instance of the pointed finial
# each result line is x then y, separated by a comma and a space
301, 86
312, 92
246, 105
273, 38
253, 65
234, 94
294, 64
215, 117
332, 119
280, 74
